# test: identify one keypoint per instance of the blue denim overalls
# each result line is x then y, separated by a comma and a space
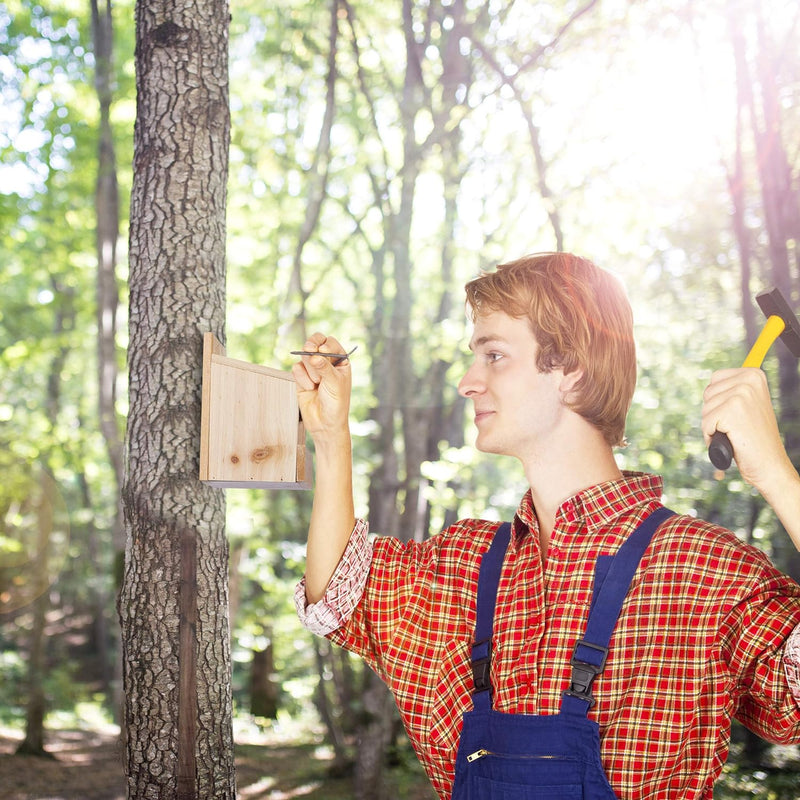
544, 757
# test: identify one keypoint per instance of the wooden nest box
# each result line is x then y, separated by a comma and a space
251, 434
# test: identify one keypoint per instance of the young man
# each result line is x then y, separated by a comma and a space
708, 629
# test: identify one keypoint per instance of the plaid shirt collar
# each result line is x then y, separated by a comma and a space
592, 511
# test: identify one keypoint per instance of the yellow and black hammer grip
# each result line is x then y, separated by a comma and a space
720, 451
781, 321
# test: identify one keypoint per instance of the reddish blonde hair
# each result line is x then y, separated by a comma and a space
581, 320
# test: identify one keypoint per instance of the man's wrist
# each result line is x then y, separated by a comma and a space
335, 445
782, 483
782, 491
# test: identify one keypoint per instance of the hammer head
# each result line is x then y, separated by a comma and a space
773, 303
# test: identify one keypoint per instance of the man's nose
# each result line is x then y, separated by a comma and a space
470, 384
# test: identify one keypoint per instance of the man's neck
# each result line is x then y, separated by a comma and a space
563, 475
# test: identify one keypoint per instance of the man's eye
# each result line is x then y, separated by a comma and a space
492, 357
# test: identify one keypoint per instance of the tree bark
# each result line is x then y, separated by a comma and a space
173, 602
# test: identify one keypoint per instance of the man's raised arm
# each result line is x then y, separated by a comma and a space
323, 393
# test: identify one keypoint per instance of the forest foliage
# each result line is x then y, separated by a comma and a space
382, 154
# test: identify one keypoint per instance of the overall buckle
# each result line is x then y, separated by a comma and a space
481, 667
584, 672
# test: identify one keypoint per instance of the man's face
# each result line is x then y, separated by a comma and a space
518, 409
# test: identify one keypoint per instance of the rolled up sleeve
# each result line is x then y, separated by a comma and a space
344, 590
791, 663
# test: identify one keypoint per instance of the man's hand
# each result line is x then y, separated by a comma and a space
323, 389
737, 402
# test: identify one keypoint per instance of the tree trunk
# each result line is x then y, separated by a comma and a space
173, 602
373, 738
107, 233
326, 668
101, 630
263, 688
33, 743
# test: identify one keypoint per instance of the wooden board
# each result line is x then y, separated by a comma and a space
251, 432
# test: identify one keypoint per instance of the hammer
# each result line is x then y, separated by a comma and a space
781, 321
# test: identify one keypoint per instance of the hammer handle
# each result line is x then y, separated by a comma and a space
720, 451
773, 328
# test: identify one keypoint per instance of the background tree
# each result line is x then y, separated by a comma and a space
44, 494
106, 237
173, 603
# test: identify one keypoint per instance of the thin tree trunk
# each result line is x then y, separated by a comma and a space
33, 743
264, 689
323, 652
101, 629
107, 233
373, 738
106, 236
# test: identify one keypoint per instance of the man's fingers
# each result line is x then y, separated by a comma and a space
732, 402
302, 378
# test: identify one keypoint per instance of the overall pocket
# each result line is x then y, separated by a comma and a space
503, 776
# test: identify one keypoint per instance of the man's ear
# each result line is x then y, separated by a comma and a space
568, 384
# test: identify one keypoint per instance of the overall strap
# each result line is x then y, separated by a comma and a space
590, 653
488, 581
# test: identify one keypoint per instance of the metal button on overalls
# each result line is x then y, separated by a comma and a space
544, 757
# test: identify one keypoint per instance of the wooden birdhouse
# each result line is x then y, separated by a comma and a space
251, 434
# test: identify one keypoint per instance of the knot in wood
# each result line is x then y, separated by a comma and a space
262, 454
167, 33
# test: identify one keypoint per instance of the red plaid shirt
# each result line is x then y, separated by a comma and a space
700, 639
